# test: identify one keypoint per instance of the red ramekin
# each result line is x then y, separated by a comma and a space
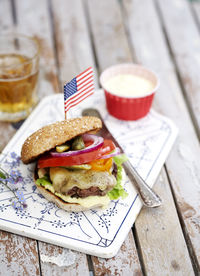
129, 108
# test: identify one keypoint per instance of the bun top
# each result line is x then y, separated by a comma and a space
50, 136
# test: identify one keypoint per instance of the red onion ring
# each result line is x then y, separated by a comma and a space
97, 143
116, 151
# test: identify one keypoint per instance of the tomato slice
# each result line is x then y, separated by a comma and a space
83, 158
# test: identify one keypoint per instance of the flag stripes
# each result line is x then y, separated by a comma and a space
78, 89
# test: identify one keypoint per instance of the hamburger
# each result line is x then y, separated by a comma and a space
75, 168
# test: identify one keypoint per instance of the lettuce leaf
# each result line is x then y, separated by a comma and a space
43, 181
118, 191
120, 159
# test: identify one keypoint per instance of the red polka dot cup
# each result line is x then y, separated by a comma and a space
129, 90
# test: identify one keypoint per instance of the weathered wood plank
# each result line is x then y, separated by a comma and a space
126, 261
107, 33
73, 44
6, 24
184, 42
75, 54
152, 227
18, 255
183, 164
104, 19
74, 263
196, 8
6, 20
111, 33
27, 13
33, 19
6, 133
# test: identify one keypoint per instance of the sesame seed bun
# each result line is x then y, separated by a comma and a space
50, 136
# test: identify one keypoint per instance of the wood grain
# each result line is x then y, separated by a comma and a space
196, 9
126, 261
158, 234
6, 22
75, 262
6, 133
27, 13
107, 30
182, 164
34, 19
111, 45
184, 41
18, 255
153, 226
74, 56
98, 17
73, 43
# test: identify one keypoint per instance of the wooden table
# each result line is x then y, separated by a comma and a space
163, 35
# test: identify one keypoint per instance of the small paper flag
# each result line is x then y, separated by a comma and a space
78, 89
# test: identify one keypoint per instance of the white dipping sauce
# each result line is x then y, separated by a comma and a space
128, 85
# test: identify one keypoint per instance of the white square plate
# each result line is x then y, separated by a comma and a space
98, 232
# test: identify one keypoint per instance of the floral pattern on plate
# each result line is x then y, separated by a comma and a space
97, 232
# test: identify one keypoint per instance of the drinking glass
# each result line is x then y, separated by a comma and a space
19, 66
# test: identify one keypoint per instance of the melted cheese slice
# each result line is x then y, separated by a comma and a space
64, 180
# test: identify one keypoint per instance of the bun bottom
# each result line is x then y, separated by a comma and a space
70, 207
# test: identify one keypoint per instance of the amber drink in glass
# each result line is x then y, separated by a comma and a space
19, 66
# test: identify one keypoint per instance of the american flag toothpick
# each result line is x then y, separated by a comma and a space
78, 89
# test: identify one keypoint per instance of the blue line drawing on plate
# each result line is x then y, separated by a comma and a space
94, 227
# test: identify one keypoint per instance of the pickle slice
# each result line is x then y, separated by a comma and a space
62, 148
78, 143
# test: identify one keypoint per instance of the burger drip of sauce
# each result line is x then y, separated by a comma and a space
128, 85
